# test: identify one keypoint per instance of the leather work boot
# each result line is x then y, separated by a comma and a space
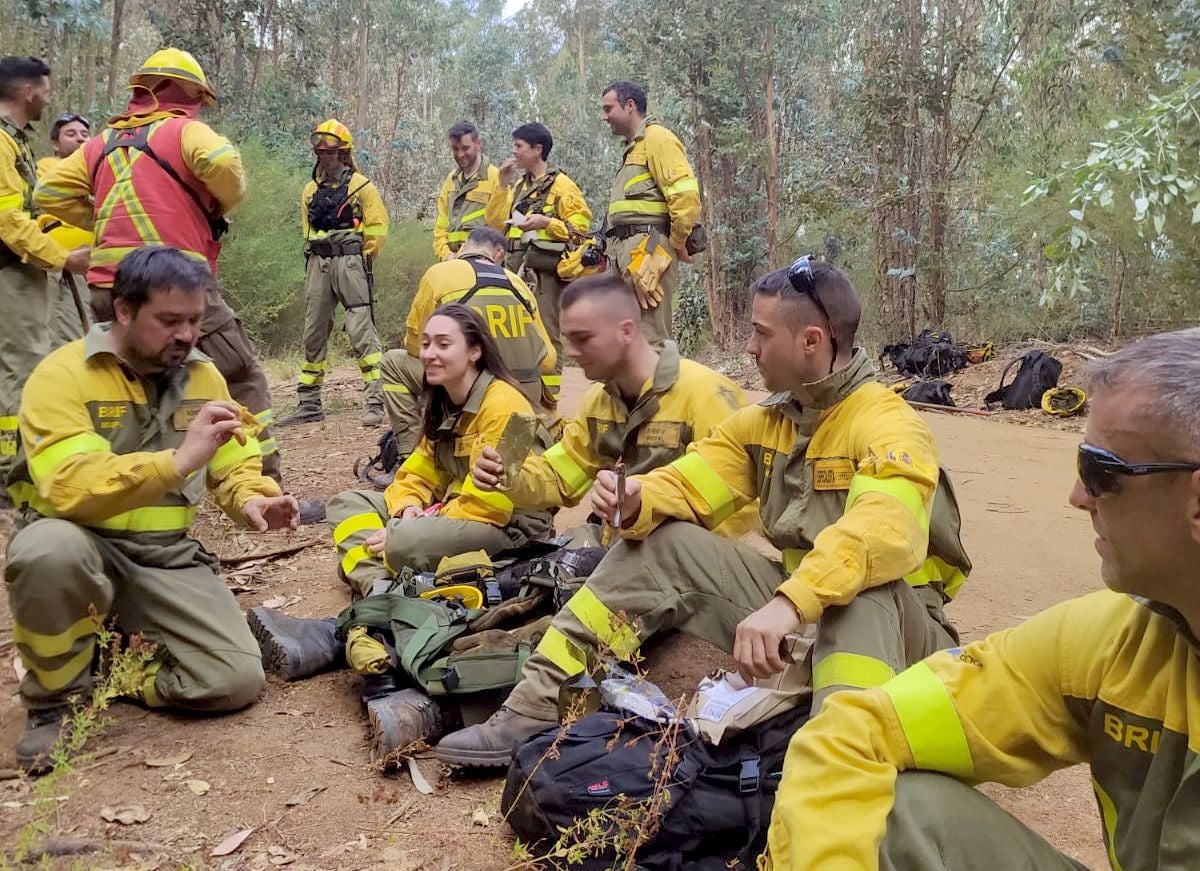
400, 719
373, 415
490, 744
308, 411
311, 511
42, 731
294, 647
384, 480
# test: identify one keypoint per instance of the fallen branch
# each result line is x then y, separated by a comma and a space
948, 409
75, 846
268, 554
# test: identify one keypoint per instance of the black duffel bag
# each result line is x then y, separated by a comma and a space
720, 797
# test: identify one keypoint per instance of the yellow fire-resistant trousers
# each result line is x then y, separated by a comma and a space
60, 574
685, 577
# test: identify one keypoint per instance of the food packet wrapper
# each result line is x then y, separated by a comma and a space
514, 445
725, 703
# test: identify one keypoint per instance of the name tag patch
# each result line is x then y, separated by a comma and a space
186, 413
832, 474
661, 434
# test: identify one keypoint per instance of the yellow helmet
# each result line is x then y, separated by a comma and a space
174, 63
332, 135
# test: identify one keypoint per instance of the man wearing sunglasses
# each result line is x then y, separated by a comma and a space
849, 489
69, 318
1111, 679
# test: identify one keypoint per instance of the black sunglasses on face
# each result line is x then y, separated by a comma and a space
1101, 471
800, 275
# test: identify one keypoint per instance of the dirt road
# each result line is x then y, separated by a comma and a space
295, 766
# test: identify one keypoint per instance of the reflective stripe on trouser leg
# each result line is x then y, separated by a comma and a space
319, 305
682, 576
880, 633
355, 515
56, 577
24, 341
401, 386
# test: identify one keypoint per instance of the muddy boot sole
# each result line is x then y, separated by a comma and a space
400, 719
475, 758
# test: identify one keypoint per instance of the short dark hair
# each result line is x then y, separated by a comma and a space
535, 134
486, 236
63, 120
461, 129
601, 285
157, 267
18, 70
836, 292
626, 91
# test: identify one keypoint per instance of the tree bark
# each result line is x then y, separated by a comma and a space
364, 66
114, 46
772, 146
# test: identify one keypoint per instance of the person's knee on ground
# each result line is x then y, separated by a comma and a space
213, 681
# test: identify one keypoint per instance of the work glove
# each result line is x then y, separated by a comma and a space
365, 654
647, 264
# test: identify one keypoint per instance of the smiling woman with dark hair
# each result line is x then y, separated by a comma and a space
433, 509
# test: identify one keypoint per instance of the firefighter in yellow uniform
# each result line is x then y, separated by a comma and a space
849, 490
462, 204
647, 406
655, 203
25, 252
477, 278
122, 433
345, 224
882, 779
158, 175
551, 206
433, 509
69, 318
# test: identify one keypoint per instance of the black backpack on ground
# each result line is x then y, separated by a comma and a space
720, 797
933, 354
931, 392
1037, 373
387, 459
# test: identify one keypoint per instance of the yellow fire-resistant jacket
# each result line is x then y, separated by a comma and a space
66, 190
440, 470
655, 184
64, 234
19, 230
683, 402
462, 206
97, 450
562, 201
845, 487
519, 332
371, 217
1104, 679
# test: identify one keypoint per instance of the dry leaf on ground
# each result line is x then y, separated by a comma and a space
125, 814
231, 842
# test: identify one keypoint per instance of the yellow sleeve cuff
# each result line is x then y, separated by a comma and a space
803, 598
164, 465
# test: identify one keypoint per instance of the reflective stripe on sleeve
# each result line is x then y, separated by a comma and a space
421, 466
714, 491
493, 499
568, 471
901, 489
930, 723
46, 460
682, 186
232, 454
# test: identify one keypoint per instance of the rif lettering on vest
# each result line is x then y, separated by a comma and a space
506, 321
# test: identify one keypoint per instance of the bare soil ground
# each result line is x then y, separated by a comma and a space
295, 766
